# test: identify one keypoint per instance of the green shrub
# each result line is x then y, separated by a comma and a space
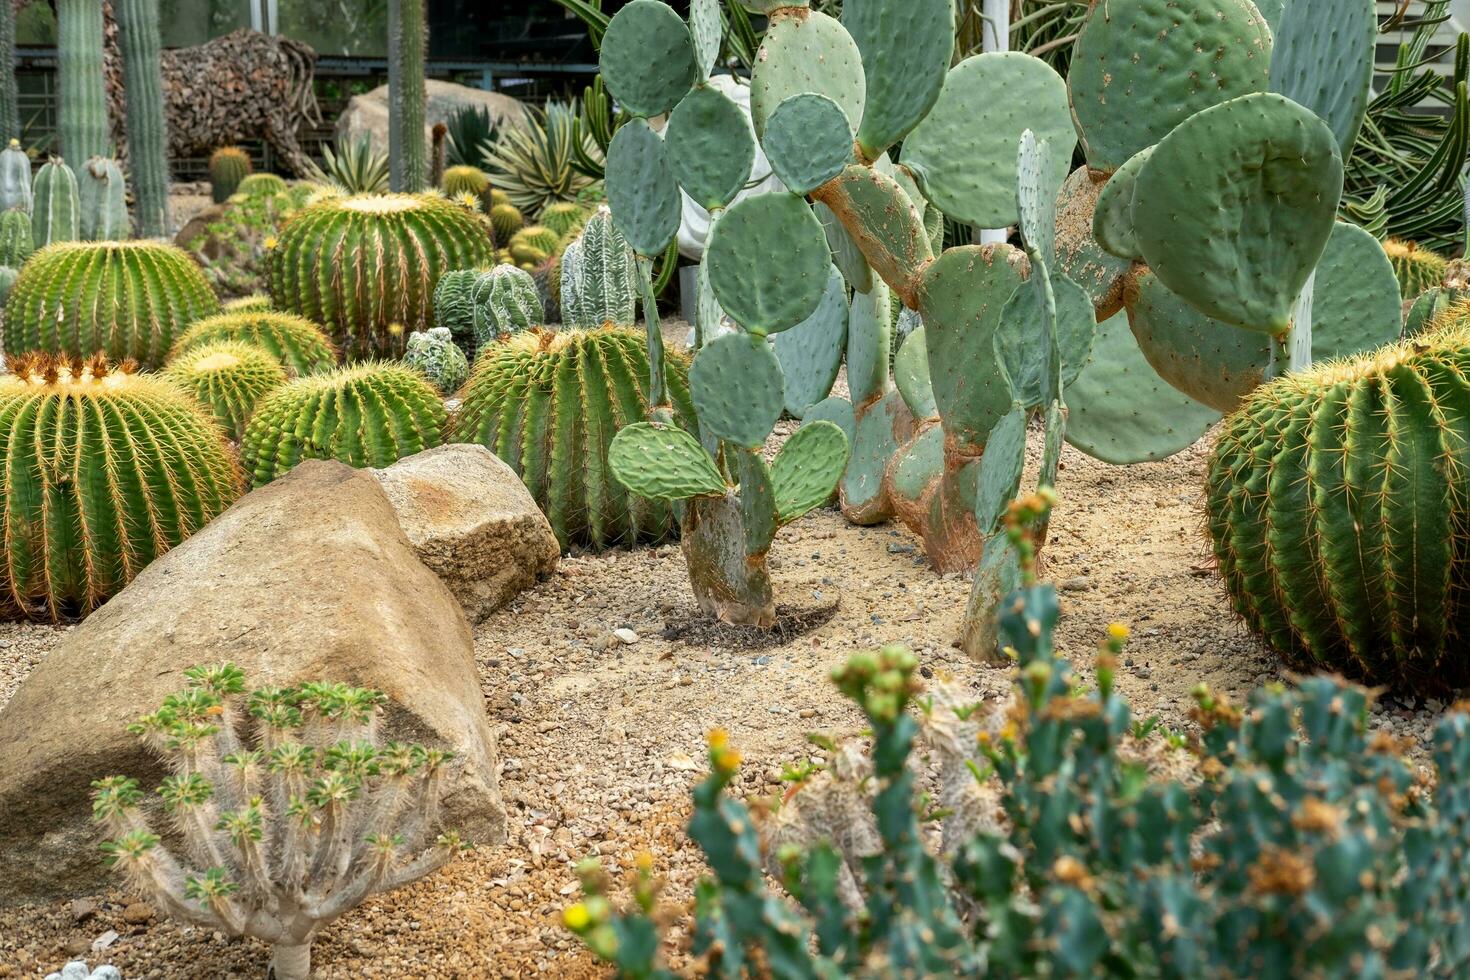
232, 250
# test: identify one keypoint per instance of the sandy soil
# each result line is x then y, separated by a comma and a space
601, 741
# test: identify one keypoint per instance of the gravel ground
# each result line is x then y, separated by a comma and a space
601, 741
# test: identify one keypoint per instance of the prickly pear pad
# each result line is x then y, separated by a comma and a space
710, 147
768, 261
805, 51
647, 57
737, 388
906, 49
641, 188
808, 141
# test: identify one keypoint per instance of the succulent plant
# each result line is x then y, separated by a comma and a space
228, 168
1417, 269
56, 204
15, 178
77, 970
505, 220
533, 244
253, 303
140, 41
434, 353
464, 179
82, 95
550, 404
353, 167
295, 342
9, 89
262, 184
533, 162
366, 266
408, 46
291, 808
15, 237
104, 204
1335, 500
562, 218
368, 414
124, 299
599, 277
131, 468
228, 378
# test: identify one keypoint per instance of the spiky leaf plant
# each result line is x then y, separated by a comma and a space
434, 353
366, 266
228, 167
1338, 500
549, 405
288, 822
126, 299
297, 343
369, 414
470, 128
227, 377
1417, 268
104, 470
354, 167
533, 163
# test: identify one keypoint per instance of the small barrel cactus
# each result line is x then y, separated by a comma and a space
533, 244
262, 185
292, 807
131, 467
254, 303
549, 405
228, 166
124, 299
56, 206
227, 377
1337, 503
368, 414
366, 266
563, 218
454, 307
464, 180
103, 193
15, 237
1417, 268
295, 341
434, 353
506, 220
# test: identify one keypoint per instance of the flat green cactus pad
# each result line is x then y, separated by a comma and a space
808, 141
1121, 411
880, 215
757, 502
845, 253
647, 57
964, 152
836, 410
876, 438
768, 262
1078, 254
737, 388
1112, 221
906, 49
807, 469
1021, 347
1323, 60
911, 375
805, 51
811, 352
1355, 299
1211, 362
1142, 67
1000, 470
869, 341
663, 462
710, 146
641, 188
917, 465
962, 300
706, 31
1260, 177
1036, 200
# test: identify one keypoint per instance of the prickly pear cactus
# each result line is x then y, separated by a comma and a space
434, 353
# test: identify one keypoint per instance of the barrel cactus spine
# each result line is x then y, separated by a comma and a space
366, 266
104, 204
408, 42
368, 414
549, 403
296, 343
82, 523
434, 353
15, 178
1417, 269
56, 204
228, 378
228, 166
138, 35
62, 301
83, 97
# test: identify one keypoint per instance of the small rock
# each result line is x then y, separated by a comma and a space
625, 635
807, 713
83, 909
680, 761
138, 913
105, 940
1080, 583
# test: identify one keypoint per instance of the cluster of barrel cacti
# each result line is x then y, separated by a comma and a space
292, 808
1307, 847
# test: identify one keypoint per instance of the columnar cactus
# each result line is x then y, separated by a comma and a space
295, 342
228, 166
366, 266
138, 36
82, 102
87, 514
549, 404
15, 178
124, 299
434, 353
228, 378
289, 821
56, 204
9, 91
599, 276
368, 414
104, 202
408, 45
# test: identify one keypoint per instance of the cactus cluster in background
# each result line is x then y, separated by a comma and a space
295, 342
505, 220
234, 248
291, 808
368, 414
1307, 847
228, 166
366, 267
435, 353
480, 306
131, 467
15, 178
257, 185
228, 378
124, 299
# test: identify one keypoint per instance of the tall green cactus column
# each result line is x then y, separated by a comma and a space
147, 141
84, 129
408, 42
9, 96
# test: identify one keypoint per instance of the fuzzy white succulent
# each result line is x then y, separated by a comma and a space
286, 832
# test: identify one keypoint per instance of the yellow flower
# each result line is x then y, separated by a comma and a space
1117, 631
1009, 731
395, 329
577, 917
270, 241
718, 738
644, 861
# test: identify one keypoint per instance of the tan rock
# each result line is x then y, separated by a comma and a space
307, 578
368, 112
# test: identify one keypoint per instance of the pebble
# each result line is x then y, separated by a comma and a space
137, 913
625, 636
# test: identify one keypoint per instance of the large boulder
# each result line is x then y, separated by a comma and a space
310, 577
368, 113
473, 522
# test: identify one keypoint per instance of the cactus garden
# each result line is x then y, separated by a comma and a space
795, 490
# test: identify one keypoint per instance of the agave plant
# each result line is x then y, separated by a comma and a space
534, 164
470, 128
355, 167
